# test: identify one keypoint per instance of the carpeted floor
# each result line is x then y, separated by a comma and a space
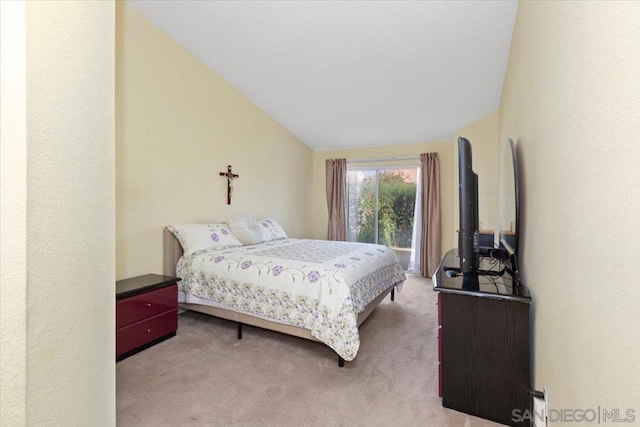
205, 376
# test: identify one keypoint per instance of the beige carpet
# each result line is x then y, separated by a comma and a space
205, 376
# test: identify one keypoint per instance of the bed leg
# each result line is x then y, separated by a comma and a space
340, 362
239, 330
393, 293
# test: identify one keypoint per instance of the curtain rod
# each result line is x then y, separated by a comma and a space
383, 159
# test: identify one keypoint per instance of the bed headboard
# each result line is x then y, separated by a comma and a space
171, 254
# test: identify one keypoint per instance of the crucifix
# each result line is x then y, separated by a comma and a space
229, 175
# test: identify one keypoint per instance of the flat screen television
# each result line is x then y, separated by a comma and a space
468, 248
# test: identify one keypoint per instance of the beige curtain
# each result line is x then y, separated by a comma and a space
430, 244
336, 196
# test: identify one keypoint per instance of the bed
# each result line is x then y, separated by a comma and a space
313, 289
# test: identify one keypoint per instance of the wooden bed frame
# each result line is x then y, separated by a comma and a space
173, 252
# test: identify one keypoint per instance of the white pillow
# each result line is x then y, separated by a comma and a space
196, 237
272, 230
247, 229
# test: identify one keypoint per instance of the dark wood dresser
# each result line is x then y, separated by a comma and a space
146, 312
483, 346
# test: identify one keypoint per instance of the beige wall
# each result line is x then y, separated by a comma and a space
571, 99
483, 135
178, 125
444, 149
13, 215
61, 199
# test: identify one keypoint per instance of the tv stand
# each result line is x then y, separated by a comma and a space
489, 273
483, 341
470, 282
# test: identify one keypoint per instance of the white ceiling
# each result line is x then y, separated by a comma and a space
352, 73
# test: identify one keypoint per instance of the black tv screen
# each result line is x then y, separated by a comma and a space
468, 198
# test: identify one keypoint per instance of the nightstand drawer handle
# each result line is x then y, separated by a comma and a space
148, 304
148, 331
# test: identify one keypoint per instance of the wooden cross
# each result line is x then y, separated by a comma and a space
229, 175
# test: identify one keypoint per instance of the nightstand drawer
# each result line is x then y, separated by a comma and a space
133, 309
140, 333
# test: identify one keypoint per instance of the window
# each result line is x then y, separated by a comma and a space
381, 208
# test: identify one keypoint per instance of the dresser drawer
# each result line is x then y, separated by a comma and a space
439, 379
145, 331
133, 309
439, 345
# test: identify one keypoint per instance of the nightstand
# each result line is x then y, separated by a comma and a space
146, 312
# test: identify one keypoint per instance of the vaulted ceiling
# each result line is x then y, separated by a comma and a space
352, 73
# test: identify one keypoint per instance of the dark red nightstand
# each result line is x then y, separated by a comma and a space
146, 312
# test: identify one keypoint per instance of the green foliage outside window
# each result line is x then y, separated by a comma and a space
396, 203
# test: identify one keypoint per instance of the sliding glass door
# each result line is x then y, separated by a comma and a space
381, 208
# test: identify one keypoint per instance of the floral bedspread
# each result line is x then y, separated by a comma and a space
315, 284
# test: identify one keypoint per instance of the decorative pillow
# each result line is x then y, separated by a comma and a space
196, 237
246, 229
272, 230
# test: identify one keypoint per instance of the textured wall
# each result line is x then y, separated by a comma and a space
444, 150
178, 125
572, 100
13, 214
70, 213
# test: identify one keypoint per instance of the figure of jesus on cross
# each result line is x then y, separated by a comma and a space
229, 175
